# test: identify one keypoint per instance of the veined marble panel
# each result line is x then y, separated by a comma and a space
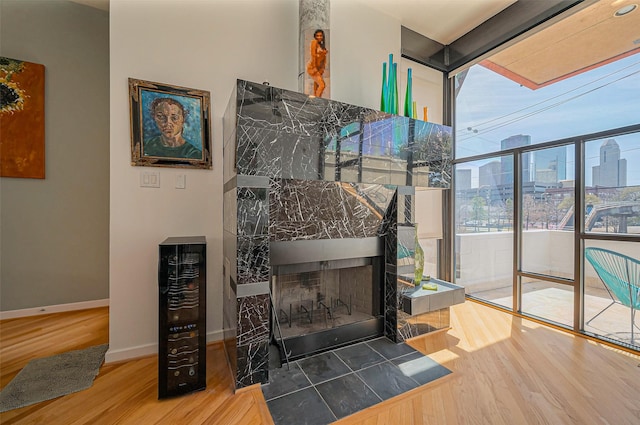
259, 153
252, 340
254, 103
303, 209
253, 319
253, 212
252, 365
253, 259
286, 134
390, 234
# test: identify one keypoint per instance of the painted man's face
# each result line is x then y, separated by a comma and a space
169, 119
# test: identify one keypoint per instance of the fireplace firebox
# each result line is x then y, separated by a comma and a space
325, 304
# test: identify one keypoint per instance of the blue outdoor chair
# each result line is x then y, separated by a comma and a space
620, 275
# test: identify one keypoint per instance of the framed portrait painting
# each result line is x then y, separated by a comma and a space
170, 125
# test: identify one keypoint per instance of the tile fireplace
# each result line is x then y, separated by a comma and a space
319, 214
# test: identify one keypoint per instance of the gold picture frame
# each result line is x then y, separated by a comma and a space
170, 125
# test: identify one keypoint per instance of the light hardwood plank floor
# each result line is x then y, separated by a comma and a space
506, 370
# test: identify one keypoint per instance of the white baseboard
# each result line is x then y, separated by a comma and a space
214, 336
148, 350
59, 308
130, 353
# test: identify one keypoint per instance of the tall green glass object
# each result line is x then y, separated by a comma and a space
385, 89
418, 257
389, 86
393, 90
408, 97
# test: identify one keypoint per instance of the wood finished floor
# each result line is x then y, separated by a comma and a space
506, 370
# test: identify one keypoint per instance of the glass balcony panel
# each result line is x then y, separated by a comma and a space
484, 230
548, 199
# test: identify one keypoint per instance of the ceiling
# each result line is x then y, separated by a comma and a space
440, 20
98, 4
590, 38
587, 39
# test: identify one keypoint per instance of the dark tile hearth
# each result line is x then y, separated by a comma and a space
346, 395
323, 367
329, 386
387, 380
284, 381
304, 407
359, 356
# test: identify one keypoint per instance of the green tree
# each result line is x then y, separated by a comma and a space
508, 205
530, 211
631, 194
570, 201
478, 211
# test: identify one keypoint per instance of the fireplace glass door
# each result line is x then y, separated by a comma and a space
327, 305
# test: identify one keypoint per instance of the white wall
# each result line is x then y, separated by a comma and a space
207, 45
427, 86
361, 40
55, 231
199, 44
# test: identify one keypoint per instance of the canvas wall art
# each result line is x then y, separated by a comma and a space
21, 119
169, 125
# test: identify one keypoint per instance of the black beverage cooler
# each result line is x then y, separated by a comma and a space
182, 281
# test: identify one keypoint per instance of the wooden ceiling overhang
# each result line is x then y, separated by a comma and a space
544, 46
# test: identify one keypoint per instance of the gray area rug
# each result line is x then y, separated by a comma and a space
51, 377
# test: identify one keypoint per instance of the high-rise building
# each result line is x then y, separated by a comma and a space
612, 171
516, 141
463, 179
489, 174
550, 165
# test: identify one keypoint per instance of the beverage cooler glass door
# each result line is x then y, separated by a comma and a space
182, 334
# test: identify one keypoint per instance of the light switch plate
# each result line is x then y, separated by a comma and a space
150, 179
181, 181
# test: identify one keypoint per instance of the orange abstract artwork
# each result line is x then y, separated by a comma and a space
21, 119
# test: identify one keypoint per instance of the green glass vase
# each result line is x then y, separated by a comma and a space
408, 96
384, 101
418, 257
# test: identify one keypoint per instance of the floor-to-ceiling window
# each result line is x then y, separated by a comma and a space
611, 194
547, 163
547, 199
484, 229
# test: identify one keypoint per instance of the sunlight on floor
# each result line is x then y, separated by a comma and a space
556, 304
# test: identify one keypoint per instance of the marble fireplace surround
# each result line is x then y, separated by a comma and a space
311, 180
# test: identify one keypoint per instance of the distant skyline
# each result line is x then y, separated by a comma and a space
611, 170
491, 108
479, 170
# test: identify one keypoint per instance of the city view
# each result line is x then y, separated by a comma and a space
548, 193
499, 121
